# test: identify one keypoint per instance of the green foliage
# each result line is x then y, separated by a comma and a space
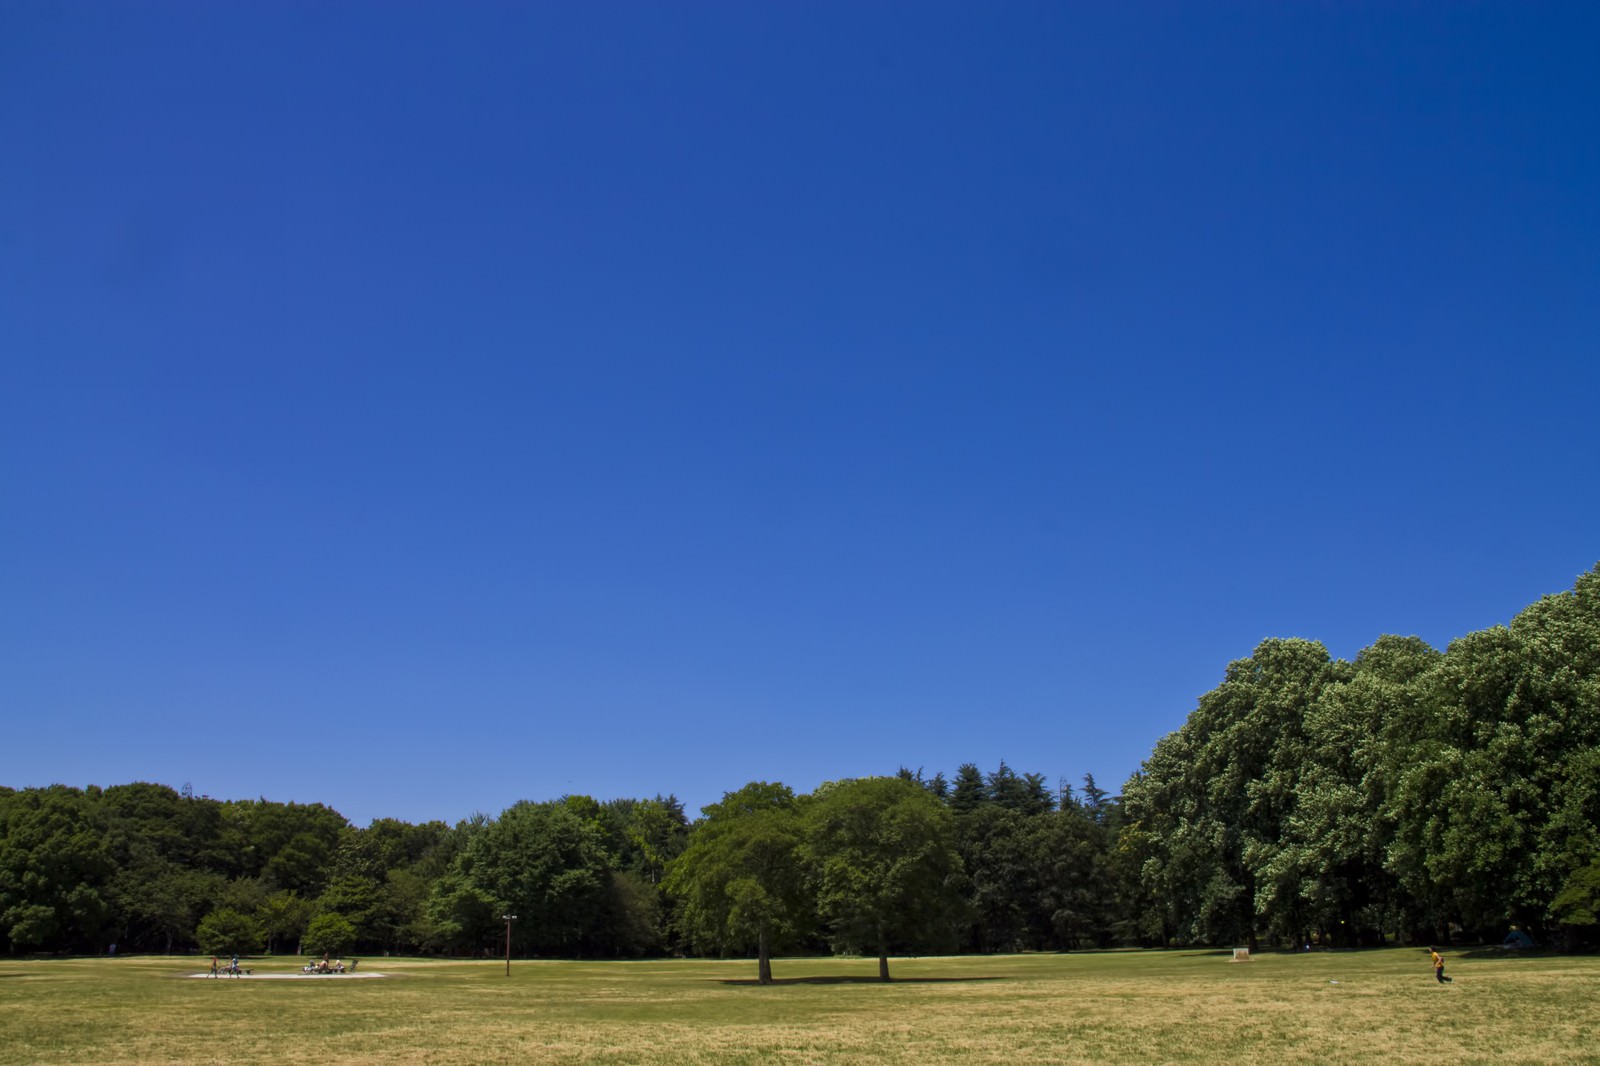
227, 932
1404, 794
548, 863
56, 869
647, 834
1080, 897
1578, 902
632, 922
882, 860
458, 916
329, 934
1002, 885
160, 902
283, 917
969, 791
158, 823
358, 899
1024, 793
741, 881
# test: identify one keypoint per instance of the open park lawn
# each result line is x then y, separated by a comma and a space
1116, 1007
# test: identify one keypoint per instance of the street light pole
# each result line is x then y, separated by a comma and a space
509, 918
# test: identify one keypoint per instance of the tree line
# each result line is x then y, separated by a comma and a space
1411, 794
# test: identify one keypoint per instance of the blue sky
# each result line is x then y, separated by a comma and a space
420, 407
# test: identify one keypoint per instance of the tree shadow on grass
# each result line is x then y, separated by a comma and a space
855, 979
1495, 951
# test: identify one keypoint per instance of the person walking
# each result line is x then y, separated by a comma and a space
213, 966
1438, 966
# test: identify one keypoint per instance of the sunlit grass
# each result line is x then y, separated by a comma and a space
1091, 1008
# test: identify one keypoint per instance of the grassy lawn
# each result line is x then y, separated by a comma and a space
1091, 1008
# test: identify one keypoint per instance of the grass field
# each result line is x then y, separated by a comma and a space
1117, 1007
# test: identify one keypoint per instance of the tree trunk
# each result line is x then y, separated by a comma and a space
763, 959
883, 966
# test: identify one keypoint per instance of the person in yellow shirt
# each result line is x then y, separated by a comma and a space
1438, 966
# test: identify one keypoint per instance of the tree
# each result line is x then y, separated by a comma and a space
158, 902
290, 845
969, 790
458, 916
647, 834
740, 882
283, 916
56, 867
159, 821
358, 898
1027, 793
1002, 879
227, 932
1570, 842
1078, 892
1214, 799
1495, 789
1097, 803
1577, 906
882, 859
937, 785
1265, 754
1332, 849
1157, 846
644, 836
630, 925
329, 934
381, 876
547, 862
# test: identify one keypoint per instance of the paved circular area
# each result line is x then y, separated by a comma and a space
293, 976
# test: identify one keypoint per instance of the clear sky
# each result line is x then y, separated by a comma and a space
418, 407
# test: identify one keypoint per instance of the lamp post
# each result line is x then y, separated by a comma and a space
508, 918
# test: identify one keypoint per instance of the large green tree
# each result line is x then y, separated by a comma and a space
158, 903
1002, 883
1495, 793
56, 869
1212, 803
1078, 892
1410, 790
1330, 858
459, 916
740, 882
883, 862
549, 864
